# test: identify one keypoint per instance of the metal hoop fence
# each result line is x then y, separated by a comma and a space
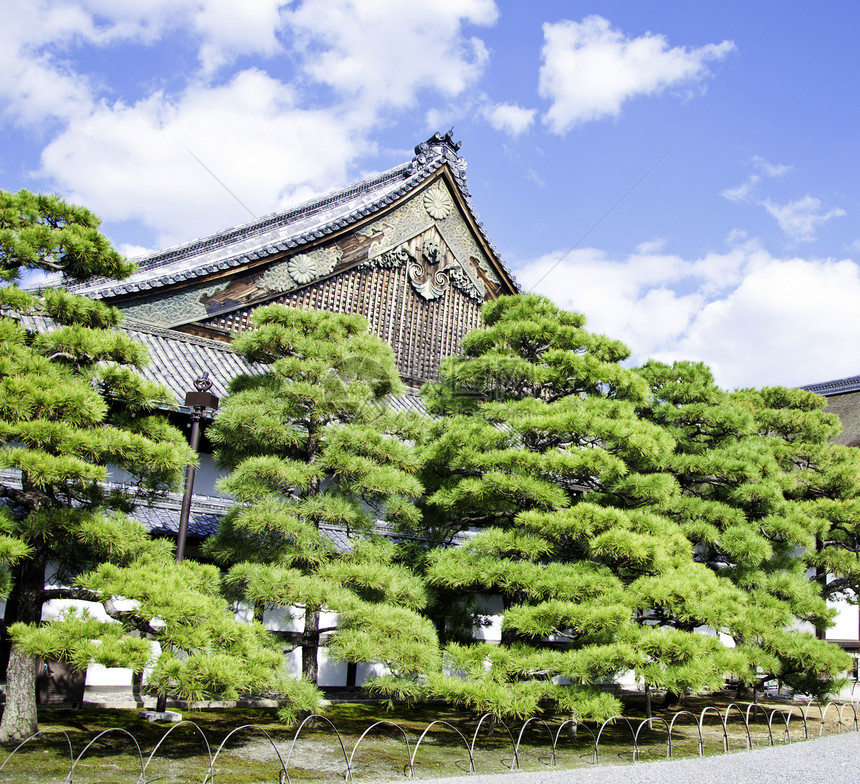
776, 721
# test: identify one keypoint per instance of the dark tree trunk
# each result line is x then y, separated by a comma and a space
821, 579
673, 700
311, 633
310, 645
20, 718
509, 636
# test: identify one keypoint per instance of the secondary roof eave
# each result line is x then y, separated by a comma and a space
841, 386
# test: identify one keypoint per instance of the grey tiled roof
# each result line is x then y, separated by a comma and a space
162, 518
294, 227
177, 358
841, 386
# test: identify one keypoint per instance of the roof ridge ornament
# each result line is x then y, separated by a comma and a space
437, 146
438, 140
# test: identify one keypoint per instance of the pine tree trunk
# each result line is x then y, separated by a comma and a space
672, 699
310, 645
311, 634
821, 578
20, 719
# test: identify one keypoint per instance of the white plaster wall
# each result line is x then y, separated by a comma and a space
283, 619
490, 610
847, 625
287, 619
205, 477
98, 676
367, 670
101, 676
52, 609
330, 673
710, 631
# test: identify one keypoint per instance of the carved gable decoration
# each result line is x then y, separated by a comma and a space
427, 270
430, 267
431, 238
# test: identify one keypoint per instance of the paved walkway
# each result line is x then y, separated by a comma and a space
831, 760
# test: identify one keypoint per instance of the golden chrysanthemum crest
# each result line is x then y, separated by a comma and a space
303, 268
438, 203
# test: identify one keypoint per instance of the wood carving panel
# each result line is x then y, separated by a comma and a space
420, 331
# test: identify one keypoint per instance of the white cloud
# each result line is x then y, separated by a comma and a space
510, 118
651, 246
770, 169
38, 39
130, 161
229, 29
33, 87
532, 175
742, 193
801, 218
382, 52
756, 319
589, 69
134, 251
263, 137
790, 321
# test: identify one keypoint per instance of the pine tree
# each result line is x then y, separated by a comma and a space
312, 445
72, 407
758, 477
548, 457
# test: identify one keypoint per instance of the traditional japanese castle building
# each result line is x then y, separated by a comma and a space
404, 249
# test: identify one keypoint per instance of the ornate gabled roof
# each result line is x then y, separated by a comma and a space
840, 386
295, 227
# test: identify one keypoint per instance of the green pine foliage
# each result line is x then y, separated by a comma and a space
43, 232
312, 446
757, 473
73, 407
629, 520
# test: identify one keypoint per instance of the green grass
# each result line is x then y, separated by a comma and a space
250, 757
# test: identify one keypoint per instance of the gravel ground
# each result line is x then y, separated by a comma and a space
831, 760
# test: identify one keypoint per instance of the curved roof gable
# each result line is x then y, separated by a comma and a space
298, 226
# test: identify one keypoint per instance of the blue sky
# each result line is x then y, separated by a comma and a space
739, 248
